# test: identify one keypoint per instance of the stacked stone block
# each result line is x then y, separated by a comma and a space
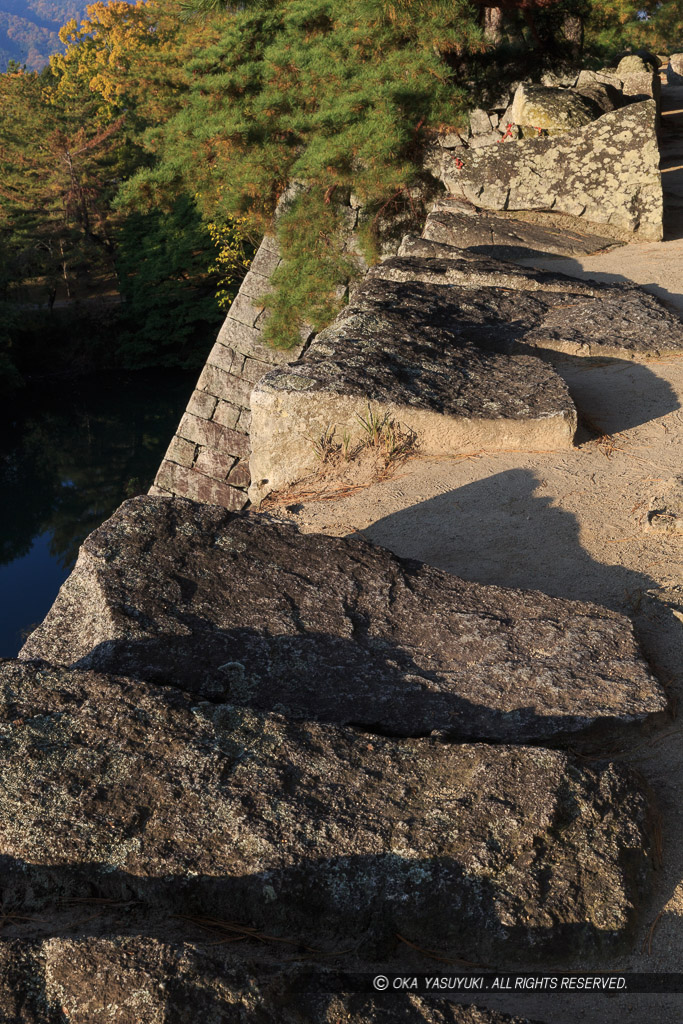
555, 107
208, 458
605, 174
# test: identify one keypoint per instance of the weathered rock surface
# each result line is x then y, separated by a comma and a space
642, 86
606, 173
422, 342
145, 981
674, 71
117, 790
480, 122
241, 609
615, 323
429, 262
644, 60
557, 110
415, 354
639, 75
491, 138
561, 76
633, 64
608, 76
458, 224
583, 318
605, 94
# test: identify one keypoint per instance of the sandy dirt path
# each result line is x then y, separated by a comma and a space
574, 523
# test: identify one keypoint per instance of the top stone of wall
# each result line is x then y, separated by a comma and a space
606, 173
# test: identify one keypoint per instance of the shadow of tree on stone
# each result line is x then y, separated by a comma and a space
342, 906
187, 975
574, 268
376, 686
128, 932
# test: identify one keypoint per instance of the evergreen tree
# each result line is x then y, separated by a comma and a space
336, 94
68, 136
10, 378
57, 176
664, 28
170, 314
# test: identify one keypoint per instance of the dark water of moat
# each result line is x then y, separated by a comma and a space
70, 453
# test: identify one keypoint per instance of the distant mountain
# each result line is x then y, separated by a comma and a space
28, 29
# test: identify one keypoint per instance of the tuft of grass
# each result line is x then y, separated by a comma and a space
324, 446
393, 440
349, 450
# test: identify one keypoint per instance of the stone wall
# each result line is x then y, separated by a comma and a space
453, 348
208, 458
674, 69
606, 173
525, 109
246, 737
228, 732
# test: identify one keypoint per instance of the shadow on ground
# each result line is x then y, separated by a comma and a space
574, 268
497, 530
611, 395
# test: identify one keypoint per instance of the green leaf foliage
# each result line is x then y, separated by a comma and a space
334, 94
156, 132
308, 285
170, 313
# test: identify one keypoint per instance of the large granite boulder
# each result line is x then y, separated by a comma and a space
135, 980
634, 64
415, 355
642, 86
606, 173
604, 76
457, 223
129, 807
634, 61
619, 322
234, 607
556, 110
576, 317
639, 74
435, 343
480, 122
606, 95
431, 262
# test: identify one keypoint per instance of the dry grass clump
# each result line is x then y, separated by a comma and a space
390, 440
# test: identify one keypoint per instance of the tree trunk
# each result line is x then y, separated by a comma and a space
572, 30
65, 270
493, 25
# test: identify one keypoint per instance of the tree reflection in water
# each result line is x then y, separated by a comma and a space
69, 455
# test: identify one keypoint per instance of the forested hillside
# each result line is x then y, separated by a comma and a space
141, 166
29, 29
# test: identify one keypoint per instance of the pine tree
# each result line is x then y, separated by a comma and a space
57, 162
170, 314
339, 95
